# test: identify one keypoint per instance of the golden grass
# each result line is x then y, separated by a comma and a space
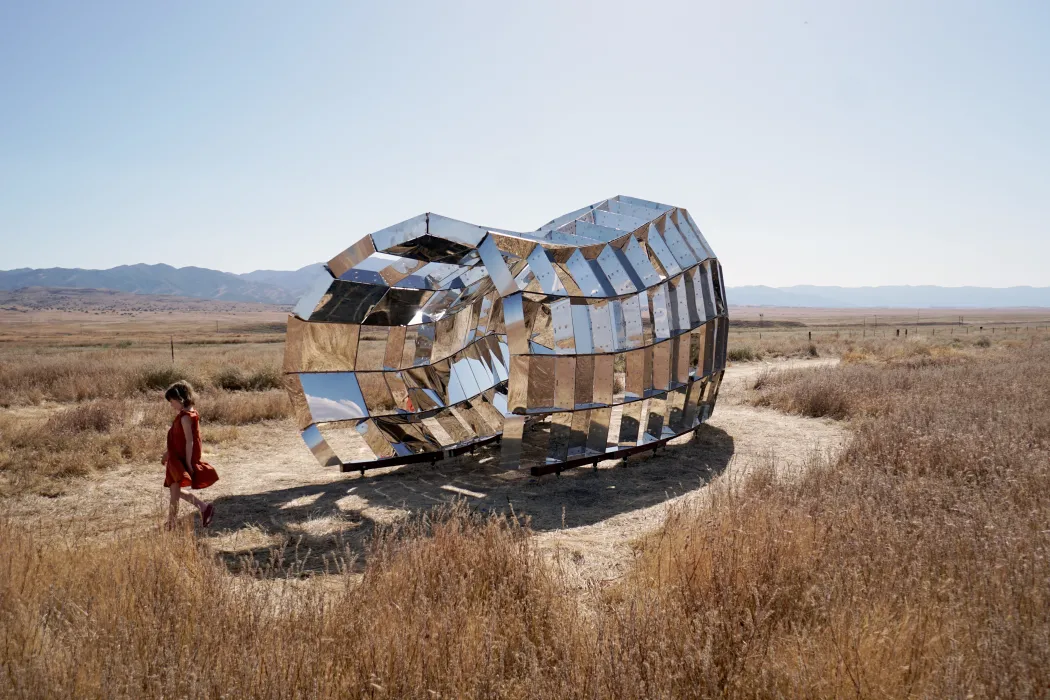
74, 410
30, 375
443, 607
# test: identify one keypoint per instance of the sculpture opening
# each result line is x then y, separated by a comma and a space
598, 335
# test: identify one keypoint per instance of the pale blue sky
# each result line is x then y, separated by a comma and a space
814, 142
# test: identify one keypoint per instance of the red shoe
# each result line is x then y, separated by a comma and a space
207, 513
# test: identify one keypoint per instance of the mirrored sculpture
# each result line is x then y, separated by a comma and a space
600, 334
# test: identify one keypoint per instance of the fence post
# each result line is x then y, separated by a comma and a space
173, 349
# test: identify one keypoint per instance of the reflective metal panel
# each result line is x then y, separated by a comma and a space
581, 425
630, 424
371, 347
351, 256
564, 382
655, 423
675, 412
615, 272
584, 382
541, 383
598, 431
320, 347
662, 366
561, 431
581, 327
541, 266
320, 449
376, 393
663, 254
496, 266
583, 275
603, 379
660, 315
640, 263
679, 248
602, 333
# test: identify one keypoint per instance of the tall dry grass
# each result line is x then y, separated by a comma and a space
71, 411
751, 344
462, 606
31, 375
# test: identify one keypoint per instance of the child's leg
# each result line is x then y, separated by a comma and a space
173, 508
190, 498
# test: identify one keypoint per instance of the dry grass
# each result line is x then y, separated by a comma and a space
72, 411
31, 375
751, 344
461, 604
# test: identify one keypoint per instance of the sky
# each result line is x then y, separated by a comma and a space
841, 143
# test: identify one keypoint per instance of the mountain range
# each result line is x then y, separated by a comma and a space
284, 287
266, 286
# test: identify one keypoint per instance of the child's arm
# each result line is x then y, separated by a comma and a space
187, 429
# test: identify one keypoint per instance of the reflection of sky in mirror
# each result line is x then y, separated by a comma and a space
504, 349
434, 396
482, 374
500, 402
333, 396
312, 437
454, 389
312, 298
463, 380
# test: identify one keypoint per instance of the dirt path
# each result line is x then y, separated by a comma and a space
274, 497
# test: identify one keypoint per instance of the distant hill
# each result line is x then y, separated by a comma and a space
286, 286
295, 282
906, 297
196, 282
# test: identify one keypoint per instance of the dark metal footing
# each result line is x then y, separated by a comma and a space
590, 459
432, 457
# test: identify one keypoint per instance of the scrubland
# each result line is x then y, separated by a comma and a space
66, 411
914, 563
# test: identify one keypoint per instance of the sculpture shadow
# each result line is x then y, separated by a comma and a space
325, 527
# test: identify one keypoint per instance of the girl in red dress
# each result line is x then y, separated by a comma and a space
183, 456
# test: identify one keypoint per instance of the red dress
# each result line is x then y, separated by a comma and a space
202, 475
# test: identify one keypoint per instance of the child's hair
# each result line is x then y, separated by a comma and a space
182, 392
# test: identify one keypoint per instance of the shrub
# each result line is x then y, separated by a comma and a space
232, 378
160, 377
97, 417
243, 408
742, 354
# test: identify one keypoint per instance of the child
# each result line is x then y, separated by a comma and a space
183, 456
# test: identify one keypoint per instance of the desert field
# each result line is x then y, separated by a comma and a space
866, 514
